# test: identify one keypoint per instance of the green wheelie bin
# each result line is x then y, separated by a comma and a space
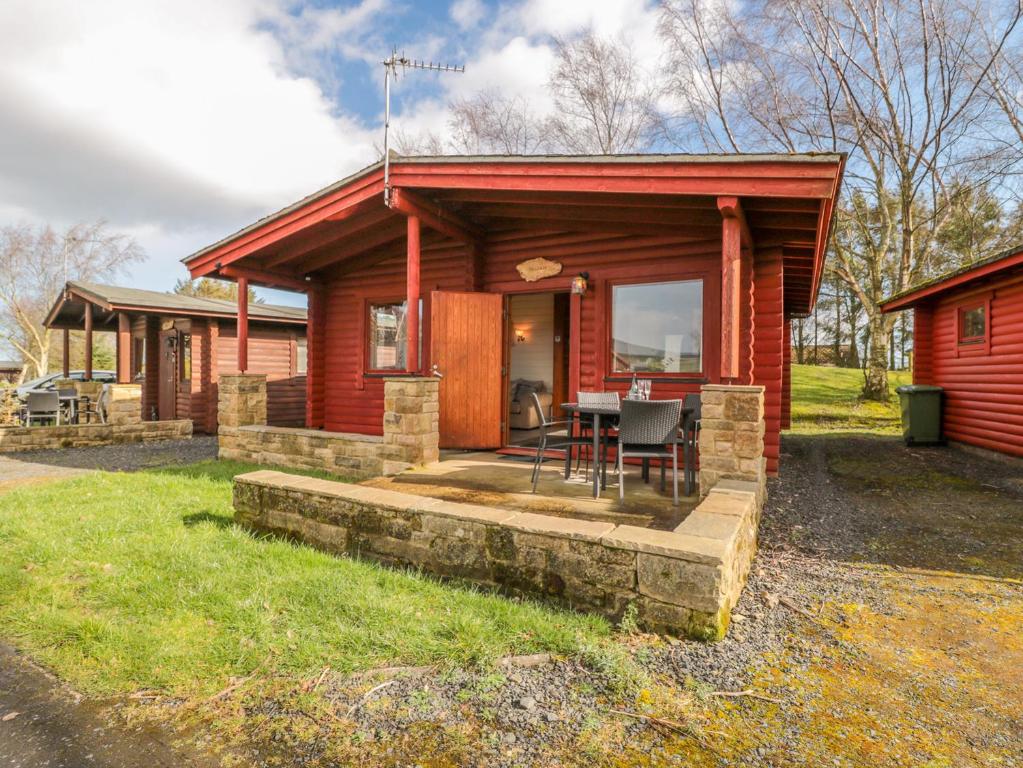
921, 414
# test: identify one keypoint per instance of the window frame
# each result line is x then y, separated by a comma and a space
138, 358
367, 355
182, 346
610, 374
980, 345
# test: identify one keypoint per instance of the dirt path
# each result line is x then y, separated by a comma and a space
42, 723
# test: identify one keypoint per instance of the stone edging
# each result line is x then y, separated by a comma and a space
683, 581
14, 439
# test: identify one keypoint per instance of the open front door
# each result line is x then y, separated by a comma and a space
466, 337
167, 403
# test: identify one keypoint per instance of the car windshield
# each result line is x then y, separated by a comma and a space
36, 383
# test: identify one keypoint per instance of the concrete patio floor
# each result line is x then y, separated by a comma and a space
504, 481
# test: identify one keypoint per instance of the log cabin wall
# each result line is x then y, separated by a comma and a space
983, 382
354, 399
271, 351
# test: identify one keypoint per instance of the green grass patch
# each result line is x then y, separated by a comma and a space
120, 582
828, 399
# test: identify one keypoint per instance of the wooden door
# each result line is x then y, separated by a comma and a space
168, 375
466, 338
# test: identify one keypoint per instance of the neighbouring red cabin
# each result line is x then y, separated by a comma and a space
544, 273
968, 339
177, 347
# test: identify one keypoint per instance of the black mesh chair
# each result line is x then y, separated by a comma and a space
690, 438
561, 442
649, 429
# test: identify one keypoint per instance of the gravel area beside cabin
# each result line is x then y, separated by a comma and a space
872, 632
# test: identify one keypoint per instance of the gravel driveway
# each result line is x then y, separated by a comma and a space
29, 466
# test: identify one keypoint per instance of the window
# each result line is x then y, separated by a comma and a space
657, 327
387, 337
973, 324
301, 357
185, 356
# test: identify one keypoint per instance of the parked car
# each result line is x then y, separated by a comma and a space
47, 382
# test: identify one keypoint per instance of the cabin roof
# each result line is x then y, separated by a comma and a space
115, 298
982, 269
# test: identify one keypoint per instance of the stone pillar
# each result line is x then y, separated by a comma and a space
124, 405
241, 399
732, 436
411, 422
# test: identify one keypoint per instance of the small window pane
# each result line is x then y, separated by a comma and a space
657, 327
186, 356
139, 363
301, 357
974, 323
387, 337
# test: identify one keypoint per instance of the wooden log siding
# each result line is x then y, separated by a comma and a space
270, 353
354, 400
983, 389
768, 330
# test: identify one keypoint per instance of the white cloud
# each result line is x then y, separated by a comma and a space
467, 13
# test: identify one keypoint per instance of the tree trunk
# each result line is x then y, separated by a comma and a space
800, 343
838, 326
875, 385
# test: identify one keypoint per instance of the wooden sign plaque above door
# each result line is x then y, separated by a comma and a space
537, 269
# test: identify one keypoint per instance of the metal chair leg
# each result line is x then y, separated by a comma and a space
674, 471
662, 475
621, 475
540, 448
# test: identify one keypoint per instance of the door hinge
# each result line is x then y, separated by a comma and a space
504, 371
502, 426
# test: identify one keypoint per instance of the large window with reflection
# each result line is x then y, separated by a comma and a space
657, 327
387, 336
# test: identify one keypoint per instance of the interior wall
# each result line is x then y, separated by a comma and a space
533, 358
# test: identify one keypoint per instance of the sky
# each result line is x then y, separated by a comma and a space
181, 121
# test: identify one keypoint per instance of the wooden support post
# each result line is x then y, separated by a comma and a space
88, 341
412, 301
734, 236
67, 353
314, 335
123, 348
243, 324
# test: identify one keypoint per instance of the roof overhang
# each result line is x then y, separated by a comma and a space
67, 311
789, 201
986, 268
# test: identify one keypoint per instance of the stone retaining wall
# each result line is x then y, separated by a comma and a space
14, 439
410, 431
732, 436
682, 582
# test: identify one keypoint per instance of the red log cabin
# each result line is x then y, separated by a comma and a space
511, 274
968, 339
177, 346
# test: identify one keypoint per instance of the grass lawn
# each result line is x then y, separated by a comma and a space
827, 400
121, 582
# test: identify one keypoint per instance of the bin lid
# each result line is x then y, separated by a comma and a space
908, 389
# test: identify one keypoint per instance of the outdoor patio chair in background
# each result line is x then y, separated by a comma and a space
561, 444
649, 429
68, 409
42, 407
96, 407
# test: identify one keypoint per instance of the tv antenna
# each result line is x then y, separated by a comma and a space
391, 66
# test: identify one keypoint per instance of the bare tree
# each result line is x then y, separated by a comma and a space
489, 123
209, 288
602, 101
903, 86
32, 270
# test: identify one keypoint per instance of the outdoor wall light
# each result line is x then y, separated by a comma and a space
580, 282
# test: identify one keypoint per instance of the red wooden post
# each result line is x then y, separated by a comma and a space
412, 301
67, 353
123, 348
88, 341
243, 324
733, 232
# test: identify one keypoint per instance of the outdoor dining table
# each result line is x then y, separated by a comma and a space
609, 416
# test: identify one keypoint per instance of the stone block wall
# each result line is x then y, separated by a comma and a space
410, 431
682, 582
124, 404
340, 453
732, 436
411, 422
242, 399
14, 439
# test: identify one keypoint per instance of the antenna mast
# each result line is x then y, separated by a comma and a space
391, 65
